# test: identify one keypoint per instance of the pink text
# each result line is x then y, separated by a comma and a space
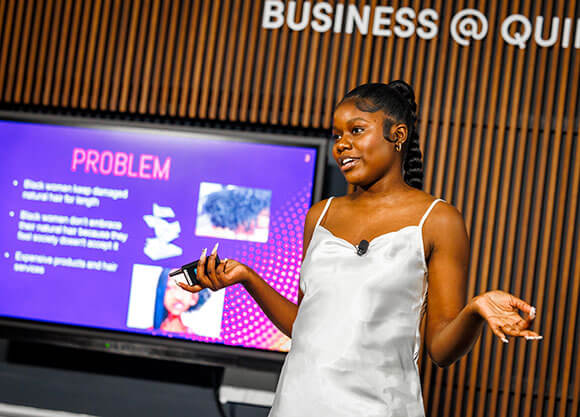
121, 164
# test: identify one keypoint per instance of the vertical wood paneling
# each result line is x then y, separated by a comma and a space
175, 79
103, 90
564, 175
98, 69
190, 50
159, 62
317, 111
570, 363
7, 40
310, 69
226, 94
353, 60
250, 68
290, 70
63, 47
4, 41
272, 67
241, 49
532, 228
503, 380
42, 55
376, 63
552, 148
256, 88
70, 67
130, 53
148, 65
212, 30
475, 235
45, 89
14, 52
129, 96
169, 60
300, 70
27, 32
494, 155
334, 69
388, 51
33, 54
217, 80
368, 49
128, 8
498, 127
86, 48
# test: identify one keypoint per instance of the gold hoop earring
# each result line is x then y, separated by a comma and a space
397, 147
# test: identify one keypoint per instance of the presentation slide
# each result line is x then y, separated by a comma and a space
94, 218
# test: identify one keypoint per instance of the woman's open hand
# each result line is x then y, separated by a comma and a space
228, 272
500, 309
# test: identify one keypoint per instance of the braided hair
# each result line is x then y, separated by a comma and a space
397, 101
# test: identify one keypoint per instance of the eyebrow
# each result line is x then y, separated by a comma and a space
357, 118
354, 119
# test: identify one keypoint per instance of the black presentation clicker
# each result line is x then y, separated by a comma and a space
190, 271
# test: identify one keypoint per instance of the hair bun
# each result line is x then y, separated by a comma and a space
405, 91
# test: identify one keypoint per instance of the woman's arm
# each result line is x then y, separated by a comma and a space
281, 311
452, 327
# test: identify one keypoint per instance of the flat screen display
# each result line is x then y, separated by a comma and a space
94, 217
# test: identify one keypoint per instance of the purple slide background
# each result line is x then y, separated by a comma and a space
98, 298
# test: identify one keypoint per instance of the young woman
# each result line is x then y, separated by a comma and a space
355, 330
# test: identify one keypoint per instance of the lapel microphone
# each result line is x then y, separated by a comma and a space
362, 247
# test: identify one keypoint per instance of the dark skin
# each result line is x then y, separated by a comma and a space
383, 203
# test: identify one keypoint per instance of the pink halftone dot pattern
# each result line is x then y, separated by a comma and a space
278, 262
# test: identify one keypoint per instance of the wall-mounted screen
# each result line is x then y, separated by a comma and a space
94, 216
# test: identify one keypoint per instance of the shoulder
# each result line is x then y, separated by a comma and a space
442, 213
315, 211
445, 228
312, 216
444, 216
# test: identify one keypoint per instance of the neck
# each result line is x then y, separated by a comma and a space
386, 186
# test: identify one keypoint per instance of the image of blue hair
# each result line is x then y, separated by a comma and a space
160, 312
230, 208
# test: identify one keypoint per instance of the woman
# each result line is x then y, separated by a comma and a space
355, 330
171, 303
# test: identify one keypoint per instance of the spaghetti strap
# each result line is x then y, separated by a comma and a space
324, 211
428, 211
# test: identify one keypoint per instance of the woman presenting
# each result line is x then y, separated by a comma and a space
355, 329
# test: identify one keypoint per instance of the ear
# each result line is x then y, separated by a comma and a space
400, 132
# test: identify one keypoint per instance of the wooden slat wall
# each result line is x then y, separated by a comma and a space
498, 125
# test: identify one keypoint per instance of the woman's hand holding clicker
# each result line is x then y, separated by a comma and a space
228, 272
281, 311
500, 310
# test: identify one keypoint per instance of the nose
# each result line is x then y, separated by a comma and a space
343, 143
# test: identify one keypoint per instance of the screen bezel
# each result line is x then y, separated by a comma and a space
144, 345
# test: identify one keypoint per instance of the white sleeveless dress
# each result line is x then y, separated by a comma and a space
356, 338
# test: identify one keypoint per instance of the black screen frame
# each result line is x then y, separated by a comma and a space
144, 345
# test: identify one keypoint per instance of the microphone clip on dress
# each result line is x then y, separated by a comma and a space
362, 247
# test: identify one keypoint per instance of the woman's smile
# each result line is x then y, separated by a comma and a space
348, 163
